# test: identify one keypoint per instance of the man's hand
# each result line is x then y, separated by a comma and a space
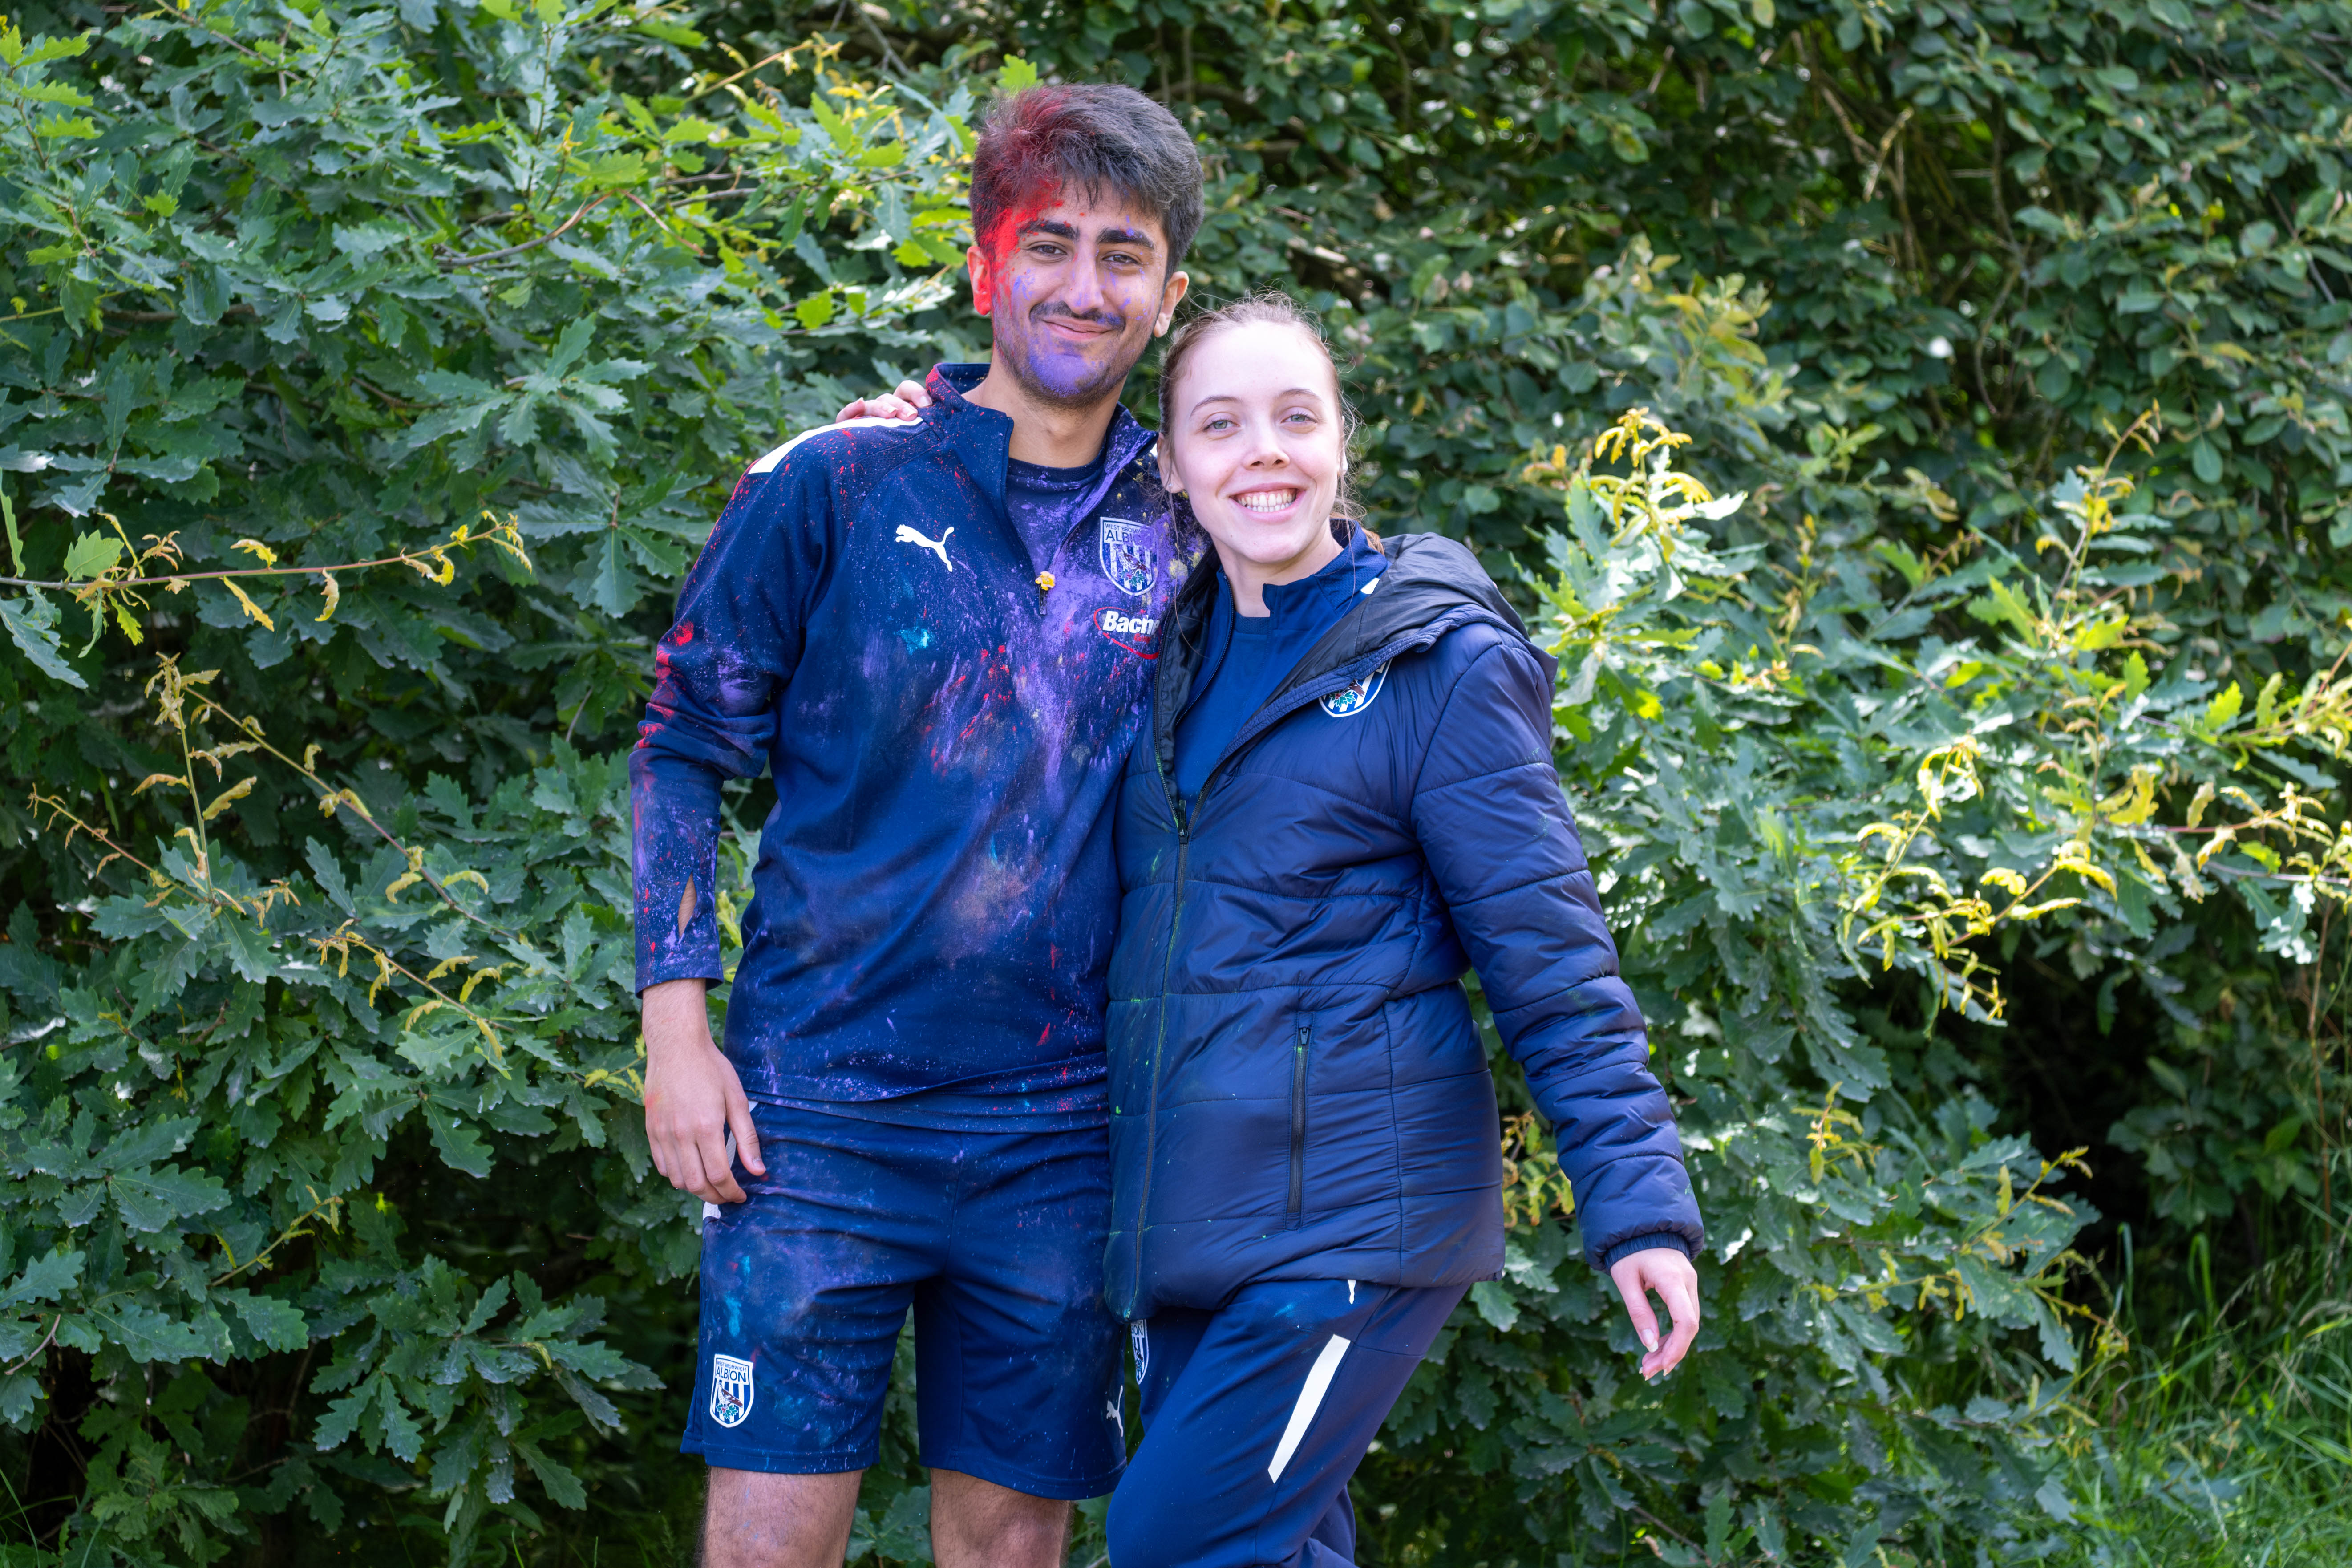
693, 1098
906, 403
1670, 1274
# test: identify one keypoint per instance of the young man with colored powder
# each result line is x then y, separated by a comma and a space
937, 635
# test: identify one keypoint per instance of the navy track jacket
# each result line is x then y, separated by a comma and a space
933, 902
1297, 1090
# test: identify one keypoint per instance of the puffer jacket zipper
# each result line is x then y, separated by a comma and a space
1160, 1043
1299, 1125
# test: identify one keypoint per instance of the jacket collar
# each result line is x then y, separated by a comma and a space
1433, 584
982, 438
1330, 590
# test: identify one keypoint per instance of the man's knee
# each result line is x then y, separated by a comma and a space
755, 1520
980, 1524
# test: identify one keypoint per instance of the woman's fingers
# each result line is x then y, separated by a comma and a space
906, 403
1670, 1274
1680, 1292
1627, 1277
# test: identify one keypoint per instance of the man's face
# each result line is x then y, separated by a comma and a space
1077, 288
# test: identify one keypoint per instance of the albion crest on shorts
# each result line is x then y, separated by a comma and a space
1133, 567
730, 1390
1352, 700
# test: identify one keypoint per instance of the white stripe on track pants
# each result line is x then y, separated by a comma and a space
1255, 1415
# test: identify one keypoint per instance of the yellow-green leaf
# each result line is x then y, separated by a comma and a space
671, 32
612, 171
2223, 710
92, 554
250, 608
1999, 604
228, 797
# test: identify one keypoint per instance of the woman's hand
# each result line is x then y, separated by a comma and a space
906, 403
1671, 1275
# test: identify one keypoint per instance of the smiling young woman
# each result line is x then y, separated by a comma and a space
1253, 436
1345, 798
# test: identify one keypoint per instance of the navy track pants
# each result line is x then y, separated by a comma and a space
1255, 1415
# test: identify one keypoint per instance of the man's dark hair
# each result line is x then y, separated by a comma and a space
1094, 137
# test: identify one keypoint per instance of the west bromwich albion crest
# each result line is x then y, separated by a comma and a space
1132, 565
1352, 700
730, 1390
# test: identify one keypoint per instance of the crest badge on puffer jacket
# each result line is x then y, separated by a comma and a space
1357, 695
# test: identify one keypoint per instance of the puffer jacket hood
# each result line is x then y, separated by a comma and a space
1297, 1090
1433, 584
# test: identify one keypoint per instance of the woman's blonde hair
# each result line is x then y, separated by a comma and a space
1269, 307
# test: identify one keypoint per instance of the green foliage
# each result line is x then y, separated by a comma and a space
2228, 1429
1801, 778
1925, 741
342, 301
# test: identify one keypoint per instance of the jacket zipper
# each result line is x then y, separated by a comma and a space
1298, 1127
1160, 1045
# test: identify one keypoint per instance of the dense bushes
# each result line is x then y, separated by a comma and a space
372, 373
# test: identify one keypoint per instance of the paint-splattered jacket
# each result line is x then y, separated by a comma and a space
935, 899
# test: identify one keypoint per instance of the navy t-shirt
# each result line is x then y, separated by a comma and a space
1249, 655
1045, 503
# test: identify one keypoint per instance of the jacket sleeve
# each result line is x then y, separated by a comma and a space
719, 681
1499, 841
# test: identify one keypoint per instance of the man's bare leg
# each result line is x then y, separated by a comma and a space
979, 1524
753, 1519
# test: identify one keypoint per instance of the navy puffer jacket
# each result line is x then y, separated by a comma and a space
1297, 1090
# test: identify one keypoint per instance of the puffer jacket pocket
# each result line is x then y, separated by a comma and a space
1304, 1039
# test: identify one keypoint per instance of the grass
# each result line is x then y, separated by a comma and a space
2226, 1442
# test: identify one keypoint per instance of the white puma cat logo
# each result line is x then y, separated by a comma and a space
937, 546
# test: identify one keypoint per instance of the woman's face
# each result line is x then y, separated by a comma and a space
1254, 440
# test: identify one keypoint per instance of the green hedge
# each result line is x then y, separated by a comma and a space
373, 375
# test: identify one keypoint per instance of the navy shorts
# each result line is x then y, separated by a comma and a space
993, 1238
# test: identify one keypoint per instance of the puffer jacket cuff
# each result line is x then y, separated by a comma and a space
1626, 1248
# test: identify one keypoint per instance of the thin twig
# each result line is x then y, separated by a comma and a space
457, 260
75, 584
890, 56
723, 82
346, 798
37, 1349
